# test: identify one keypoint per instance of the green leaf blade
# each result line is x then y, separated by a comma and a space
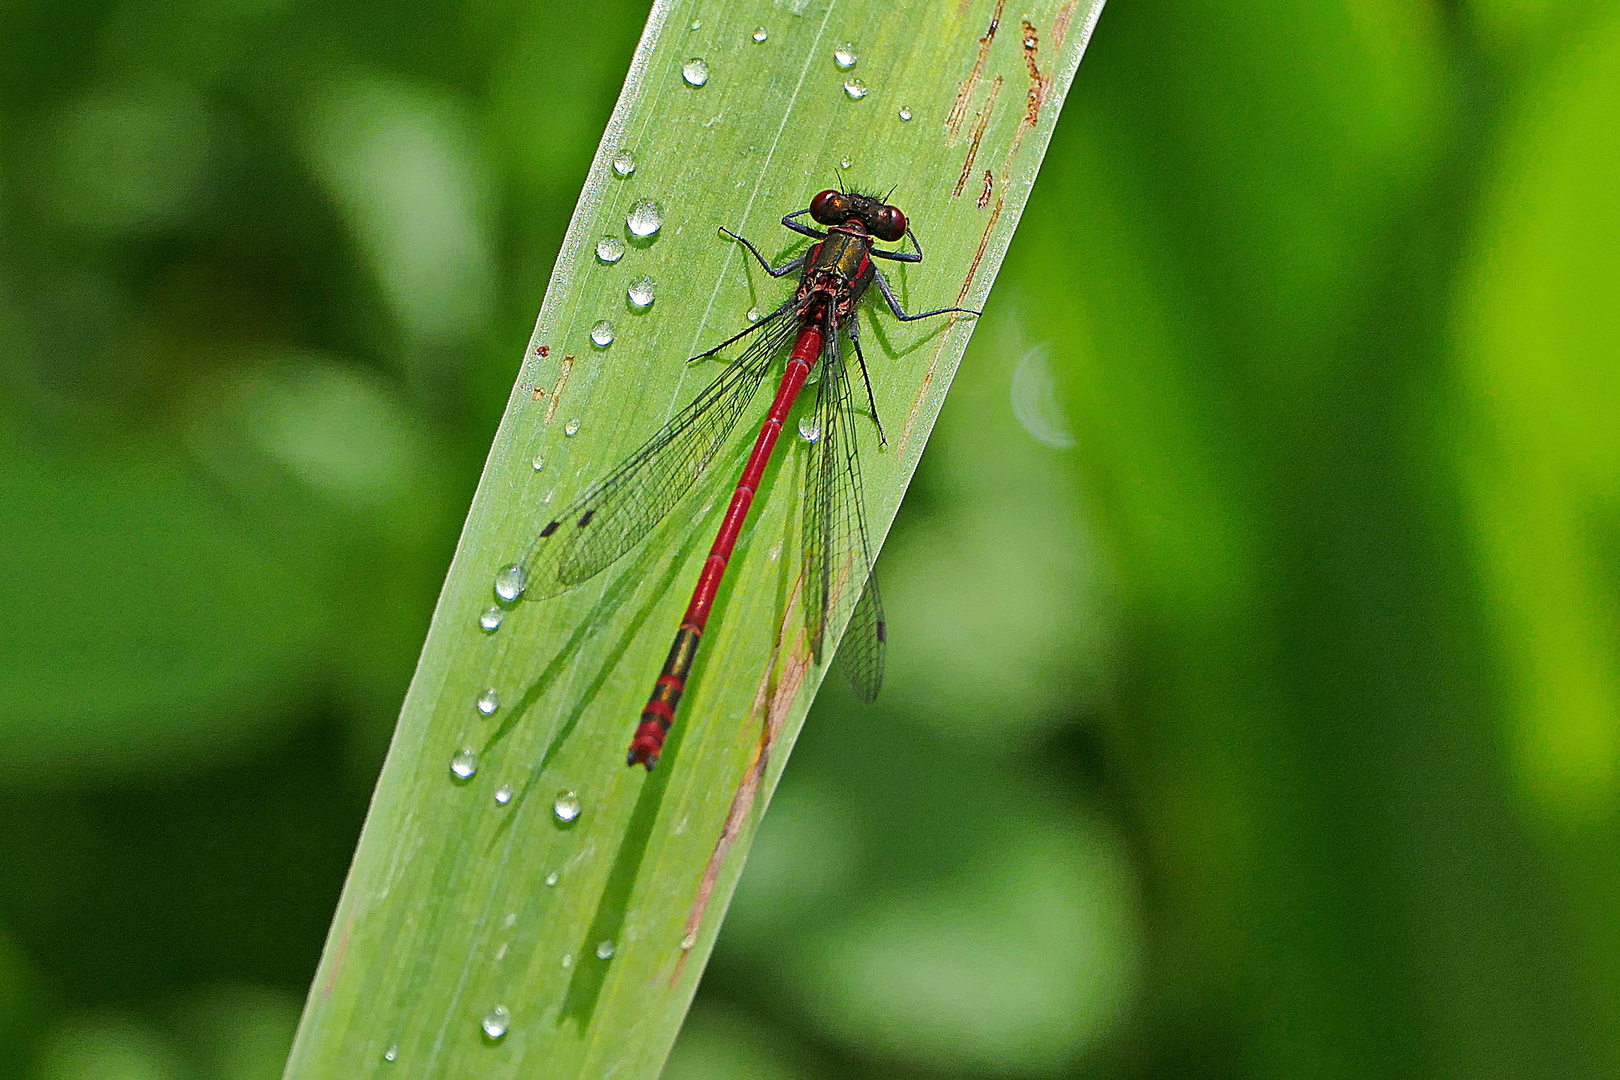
448, 913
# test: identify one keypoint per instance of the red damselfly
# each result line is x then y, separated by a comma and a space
617, 512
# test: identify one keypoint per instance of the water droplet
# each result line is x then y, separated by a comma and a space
604, 950
489, 701
539, 462
568, 960
464, 765
695, 71
855, 89
623, 163
571, 428
552, 879
846, 163
503, 794
810, 428
602, 334
844, 56
645, 219
609, 249
641, 293
760, 35
754, 315
687, 942
697, 24
391, 1054
567, 807
510, 582
905, 114
490, 620
495, 1023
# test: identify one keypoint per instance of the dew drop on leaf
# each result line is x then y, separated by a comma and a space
510, 582
496, 1022
645, 219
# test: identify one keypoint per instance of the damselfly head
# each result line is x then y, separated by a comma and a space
874, 215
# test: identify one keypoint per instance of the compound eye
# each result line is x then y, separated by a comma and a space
830, 208
889, 224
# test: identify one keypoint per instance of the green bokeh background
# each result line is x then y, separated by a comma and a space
1254, 706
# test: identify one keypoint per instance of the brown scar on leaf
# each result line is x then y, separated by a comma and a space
337, 961
537, 392
542, 351
979, 125
944, 337
1037, 82
557, 390
959, 108
1036, 97
1060, 25
978, 256
772, 704
984, 196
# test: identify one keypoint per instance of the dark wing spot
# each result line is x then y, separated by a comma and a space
882, 632
585, 519
549, 529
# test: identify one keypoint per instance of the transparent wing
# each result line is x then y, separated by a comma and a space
838, 550
618, 511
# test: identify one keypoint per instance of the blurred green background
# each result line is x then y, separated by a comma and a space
1255, 695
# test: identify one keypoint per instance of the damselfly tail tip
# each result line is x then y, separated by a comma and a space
646, 746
